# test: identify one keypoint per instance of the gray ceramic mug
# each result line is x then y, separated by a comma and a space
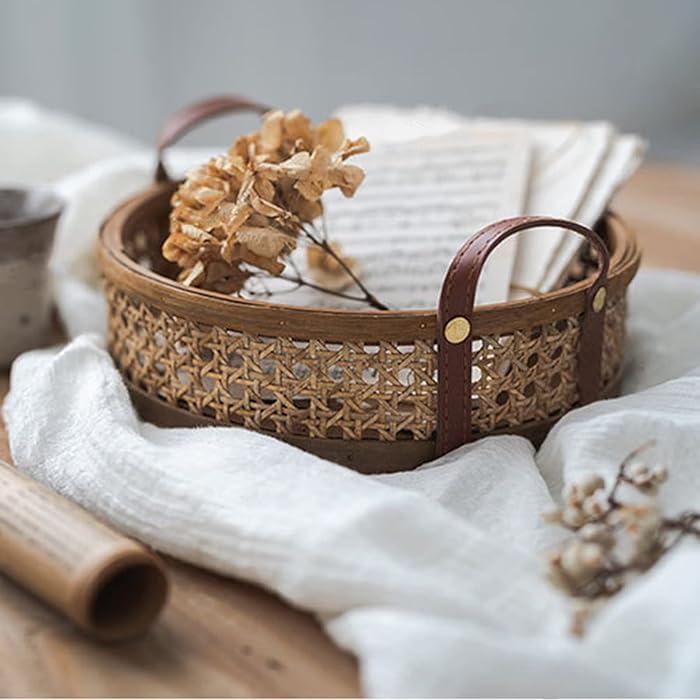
28, 219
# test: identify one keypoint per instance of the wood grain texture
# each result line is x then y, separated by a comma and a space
662, 203
226, 638
217, 637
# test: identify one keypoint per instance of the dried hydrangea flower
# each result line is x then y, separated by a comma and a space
246, 209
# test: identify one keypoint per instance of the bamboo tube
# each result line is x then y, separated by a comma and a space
110, 586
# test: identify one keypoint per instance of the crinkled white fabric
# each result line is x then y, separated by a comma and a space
433, 578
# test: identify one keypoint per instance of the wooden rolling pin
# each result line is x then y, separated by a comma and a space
110, 586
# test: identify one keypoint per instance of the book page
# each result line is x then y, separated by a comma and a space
566, 158
622, 159
419, 203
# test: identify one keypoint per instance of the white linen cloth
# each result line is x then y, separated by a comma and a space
433, 578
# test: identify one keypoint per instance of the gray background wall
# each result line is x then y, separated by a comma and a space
128, 63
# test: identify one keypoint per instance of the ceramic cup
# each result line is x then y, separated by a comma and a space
28, 218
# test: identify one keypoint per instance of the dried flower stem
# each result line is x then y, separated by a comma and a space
328, 249
620, 477
299, 280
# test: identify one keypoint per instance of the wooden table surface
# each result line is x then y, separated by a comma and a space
220, 637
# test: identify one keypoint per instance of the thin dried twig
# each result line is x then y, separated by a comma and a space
620, 478
333, 292
328, 249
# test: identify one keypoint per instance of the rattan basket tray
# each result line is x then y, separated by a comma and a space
375, 390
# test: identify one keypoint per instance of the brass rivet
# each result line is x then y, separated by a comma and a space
599, 299
457, 329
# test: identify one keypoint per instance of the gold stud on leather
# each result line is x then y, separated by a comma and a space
457, 329
599, 300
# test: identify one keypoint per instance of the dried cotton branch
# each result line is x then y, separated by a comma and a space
613, 540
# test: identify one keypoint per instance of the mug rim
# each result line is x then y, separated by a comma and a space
53, 208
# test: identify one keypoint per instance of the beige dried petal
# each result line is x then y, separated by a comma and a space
229, 217
242, 147
231, 165
185, 256
260, 247
272, 211
199, 196
259, 221
265, 189
274, 267
299, 165
265, 208
272, 130
352, 148
174, 253
301, 207
329, 134
197, 235
180, 243
297, 128
316, 180
247, 186
346, 177
208, 195
267, 242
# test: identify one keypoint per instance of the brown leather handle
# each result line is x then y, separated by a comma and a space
455, 325
185, 119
